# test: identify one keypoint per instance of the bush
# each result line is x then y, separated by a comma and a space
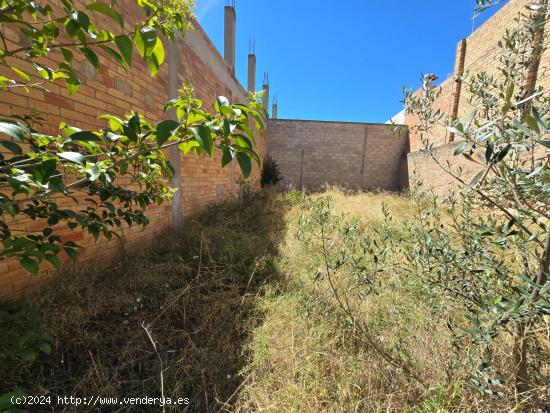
271, 175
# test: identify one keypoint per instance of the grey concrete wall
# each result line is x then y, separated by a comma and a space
313, 154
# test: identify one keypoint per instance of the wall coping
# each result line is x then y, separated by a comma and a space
197, 28
334, 122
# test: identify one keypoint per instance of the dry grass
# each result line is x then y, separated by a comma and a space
303, 360
196, 292
242, 326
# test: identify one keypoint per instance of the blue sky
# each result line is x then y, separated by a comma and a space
346, 60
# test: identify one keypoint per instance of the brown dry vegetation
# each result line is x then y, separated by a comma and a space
302, 360
243, 327
198, 294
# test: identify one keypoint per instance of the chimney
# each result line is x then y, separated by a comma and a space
229, 33
274, 109
265, 89
252, 66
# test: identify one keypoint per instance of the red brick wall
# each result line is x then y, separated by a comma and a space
116, 91
482, 54
444, 104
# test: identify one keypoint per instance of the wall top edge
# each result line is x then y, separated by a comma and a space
199, 29
332, 121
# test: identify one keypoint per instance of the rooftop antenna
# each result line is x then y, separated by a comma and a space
252, 45
266, 78
230, 3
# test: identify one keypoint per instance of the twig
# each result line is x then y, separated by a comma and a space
235, 392
146, 328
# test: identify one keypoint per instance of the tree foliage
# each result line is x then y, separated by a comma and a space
120, 170
495, 258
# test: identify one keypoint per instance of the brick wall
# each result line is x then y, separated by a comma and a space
311, 154
424, 170
113, 90
444, 104
481, 54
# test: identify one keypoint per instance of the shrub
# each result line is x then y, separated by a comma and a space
493, 260
271, 175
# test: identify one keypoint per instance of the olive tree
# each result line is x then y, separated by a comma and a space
495, 257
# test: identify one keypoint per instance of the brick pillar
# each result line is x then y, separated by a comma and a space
459, 71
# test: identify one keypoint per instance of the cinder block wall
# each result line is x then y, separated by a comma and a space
113, 90
311, 154
481, 54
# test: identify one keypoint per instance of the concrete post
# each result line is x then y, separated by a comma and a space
229, 35
274, 108
175, 154
265, 89
252, 72
459, 71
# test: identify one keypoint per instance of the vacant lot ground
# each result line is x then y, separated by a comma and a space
242, 324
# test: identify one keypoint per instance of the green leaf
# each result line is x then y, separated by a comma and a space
73, 157
165, 130
44, 170
105, 9
545, 143
18, 132
500, 155
245, 163
145, 39
476, 179
532, 123
187, 146
114, 123
30, 264
45, 347
158, 51
91, 56
12, 147
153, 64
50, 30
227, 156
115, 55
67, 54
124, 44
84, 136
470, 120
203, 135
28, 355
54, 260
81, 19
460, 148
21, 73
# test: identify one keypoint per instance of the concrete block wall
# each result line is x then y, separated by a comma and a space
313, 154
113, 90
481, 54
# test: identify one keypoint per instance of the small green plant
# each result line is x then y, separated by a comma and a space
271, 175
22, 334
353, 261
